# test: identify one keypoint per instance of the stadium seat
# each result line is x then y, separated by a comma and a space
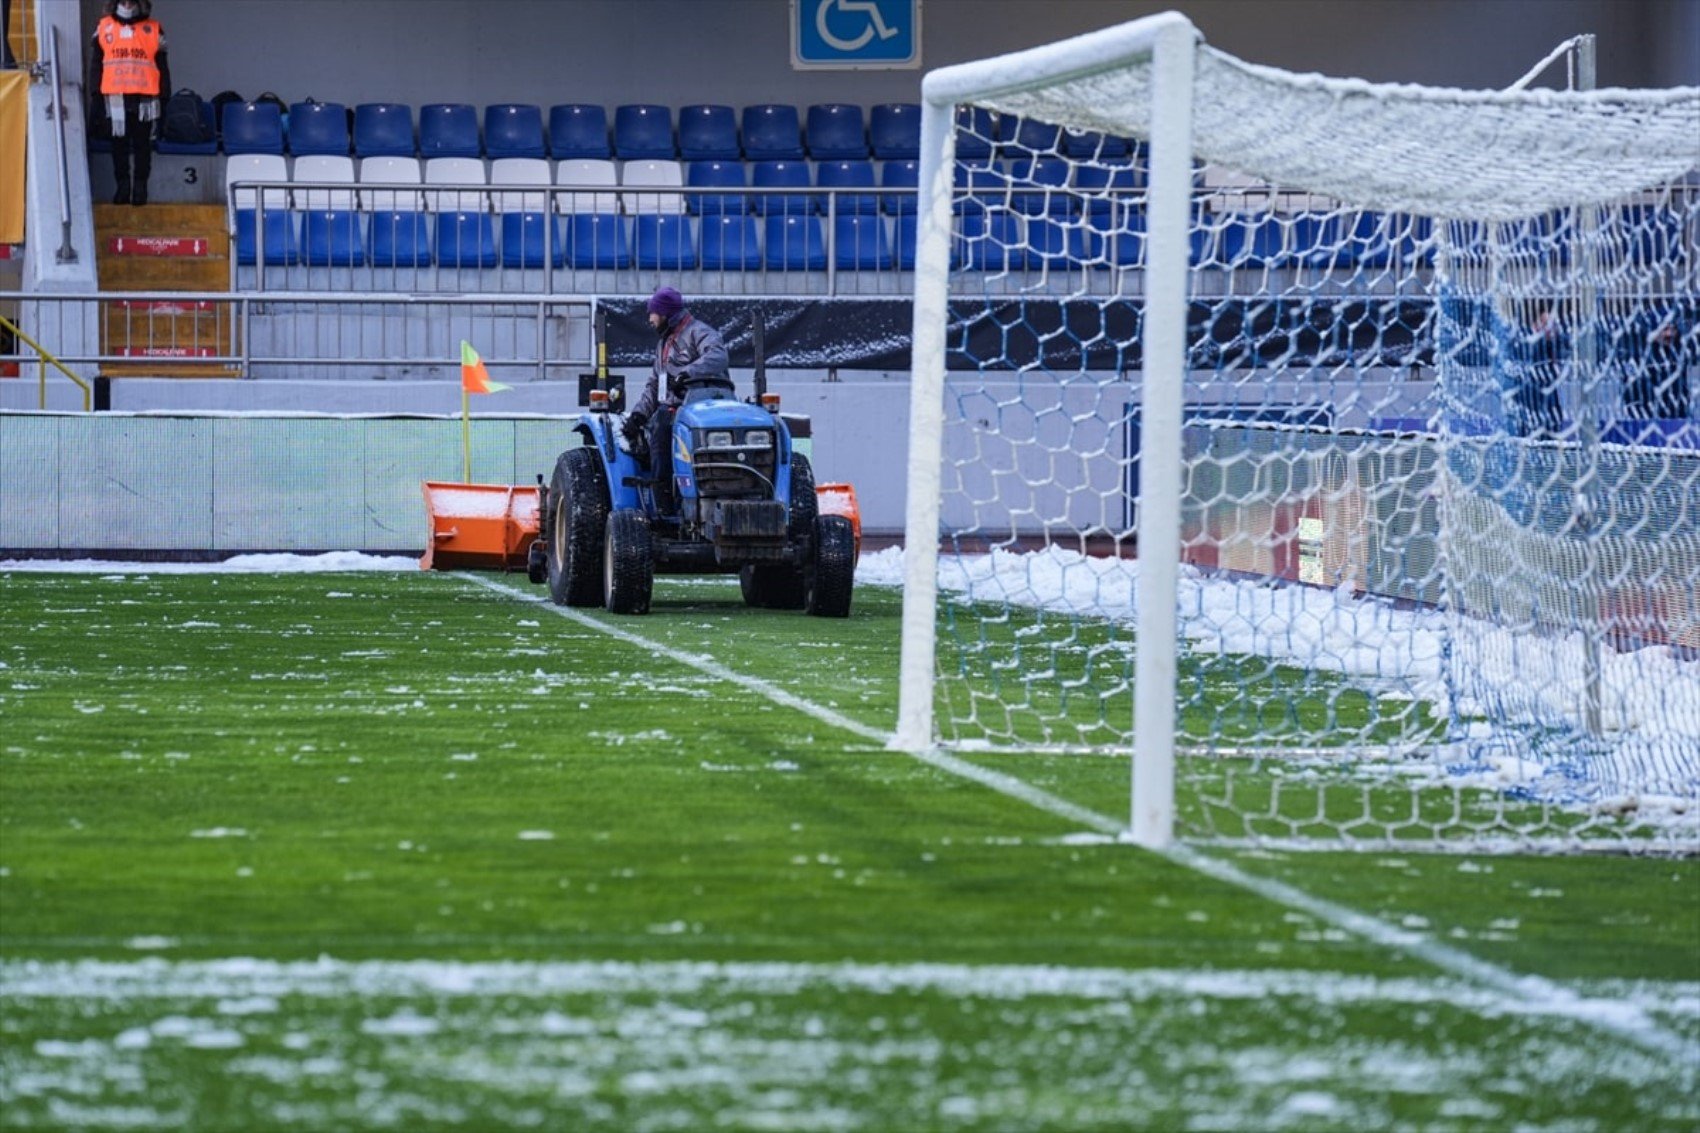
1027, 137
513, 129
894, 131
1106, 240
835, 131
794, 243
582, 171
318, 128
598, 240
1107, 185
278, 232
252, 127
1046, 241
465, 230
399, 231
1088, 144
643, 130
900, 174
579, 130
720, 174
527, 233
771, 132
843, 175
730, 242
996, 240
1218, 239
1049, 195
330, 226
384, 129
448, 129
166, 145
708, 133
782, 175
860, 242
979, 186
663, 241
653, 174
907, 227
976, 131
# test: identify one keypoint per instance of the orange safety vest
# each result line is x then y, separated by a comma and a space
129, 53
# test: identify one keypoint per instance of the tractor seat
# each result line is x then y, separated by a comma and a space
703, 389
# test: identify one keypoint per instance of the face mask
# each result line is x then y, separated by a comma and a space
127, 11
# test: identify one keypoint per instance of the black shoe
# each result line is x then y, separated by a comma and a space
122, 196
139, 195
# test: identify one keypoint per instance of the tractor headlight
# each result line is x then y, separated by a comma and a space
717, 438
759, 438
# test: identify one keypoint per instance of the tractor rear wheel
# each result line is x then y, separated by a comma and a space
831, 573
628, 571
578, 505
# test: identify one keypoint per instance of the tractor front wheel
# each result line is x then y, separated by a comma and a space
578, 514
831, 573
628, 571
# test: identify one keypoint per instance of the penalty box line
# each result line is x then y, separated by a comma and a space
1617, 1017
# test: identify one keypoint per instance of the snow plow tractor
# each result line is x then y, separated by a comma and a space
746, 500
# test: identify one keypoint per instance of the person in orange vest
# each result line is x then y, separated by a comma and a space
129, 77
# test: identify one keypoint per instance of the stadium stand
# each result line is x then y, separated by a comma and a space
894, 131
836, 131
771, 132
1050, 195
275, 238
643, 130
903, 174
514, 129
578, 129
399, 230
794, 242
843, 175
730, 242
792, 174
860, 242
975, 130
448, 129
1027, 137
330, 226
384, 129
718, 174
252, 127
527, 236
318, 128
465, 232
708, 133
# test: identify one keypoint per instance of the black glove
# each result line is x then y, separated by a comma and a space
676, 383
632, 427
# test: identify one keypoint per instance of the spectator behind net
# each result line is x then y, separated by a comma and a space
128, 77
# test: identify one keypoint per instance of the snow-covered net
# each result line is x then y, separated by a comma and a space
1440, 493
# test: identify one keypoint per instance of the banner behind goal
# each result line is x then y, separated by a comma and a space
1340, 458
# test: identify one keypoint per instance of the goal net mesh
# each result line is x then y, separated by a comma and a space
1440, 492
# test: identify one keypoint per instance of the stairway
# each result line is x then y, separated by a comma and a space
161, 248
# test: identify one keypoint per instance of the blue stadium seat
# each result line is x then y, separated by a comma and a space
318, 128
330, 226
448, 129
894, 131
663, 241
783, 175
1088, 144
252, 127
466, 239
848, 175
1219, 239
384, 129
771, 132
513, 129
398, 231
1027, 137
643, 130
835, 131
718, 174
708, 133
281, 240
860, 242
1105, 185
579, 130
1049, 195
1109, 241
979, 186
901, 174
279, 232
166, 145
528, 239
730, 242
1046, 241
995, 240
794, 243
598, 240
976, 131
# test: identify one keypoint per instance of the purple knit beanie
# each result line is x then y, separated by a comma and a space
666, 302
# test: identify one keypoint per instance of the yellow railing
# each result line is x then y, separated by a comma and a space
44, 357
21, 33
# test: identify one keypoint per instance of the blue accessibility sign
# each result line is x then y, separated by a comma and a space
847, 34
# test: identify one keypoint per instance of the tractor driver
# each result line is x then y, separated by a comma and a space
690, 353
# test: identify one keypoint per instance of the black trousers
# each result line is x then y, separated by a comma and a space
660, 437
132, 152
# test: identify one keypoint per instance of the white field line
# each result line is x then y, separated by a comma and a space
1615, 1016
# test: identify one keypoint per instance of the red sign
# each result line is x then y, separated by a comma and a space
156, 246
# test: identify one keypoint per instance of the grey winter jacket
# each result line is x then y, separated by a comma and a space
690, 348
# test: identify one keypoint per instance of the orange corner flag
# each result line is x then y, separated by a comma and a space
474, 378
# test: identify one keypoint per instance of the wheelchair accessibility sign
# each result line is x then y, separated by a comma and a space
851, 34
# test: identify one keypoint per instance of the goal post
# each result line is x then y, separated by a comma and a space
1310, 440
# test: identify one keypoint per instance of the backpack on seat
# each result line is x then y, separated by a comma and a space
181, 119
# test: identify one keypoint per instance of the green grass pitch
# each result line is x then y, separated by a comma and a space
410, 851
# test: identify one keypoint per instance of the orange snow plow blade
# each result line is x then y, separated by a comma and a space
478, 526
840, 499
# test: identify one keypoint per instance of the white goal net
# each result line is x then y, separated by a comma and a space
1330, 447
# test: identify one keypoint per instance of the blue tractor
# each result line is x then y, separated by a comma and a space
746, 505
